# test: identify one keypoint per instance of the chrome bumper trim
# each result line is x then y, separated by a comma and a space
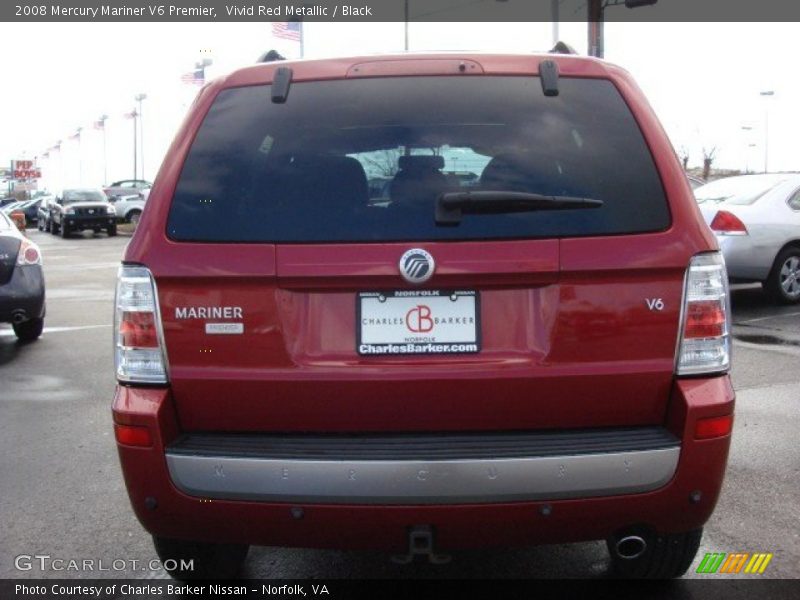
422, 482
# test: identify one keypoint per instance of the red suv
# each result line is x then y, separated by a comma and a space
535, 353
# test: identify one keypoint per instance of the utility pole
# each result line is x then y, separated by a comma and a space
596, 27
596, 19
405, 21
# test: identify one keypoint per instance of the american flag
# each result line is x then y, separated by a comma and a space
76, 135
101, 124
292, 30
193, 77
131, 115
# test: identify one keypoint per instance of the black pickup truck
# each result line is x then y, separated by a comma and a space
79, 209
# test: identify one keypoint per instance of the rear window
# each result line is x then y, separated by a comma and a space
365, 160
737, 190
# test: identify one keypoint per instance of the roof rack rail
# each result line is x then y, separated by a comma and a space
562, 48
271, 56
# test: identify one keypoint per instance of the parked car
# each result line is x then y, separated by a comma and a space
126, 187
30, 208
129, 208
22, 298
43, 213
7, 200
756, 219
12, 206
79, 209
452, 368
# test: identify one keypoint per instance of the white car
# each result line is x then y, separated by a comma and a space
129, 208
756, 219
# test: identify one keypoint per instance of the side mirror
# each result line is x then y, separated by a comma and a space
113, 199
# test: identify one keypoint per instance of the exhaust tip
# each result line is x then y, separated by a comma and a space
630, 547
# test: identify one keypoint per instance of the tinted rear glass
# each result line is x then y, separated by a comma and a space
365, 160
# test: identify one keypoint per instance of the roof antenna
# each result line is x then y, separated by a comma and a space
281, 81
271, 56
548, 74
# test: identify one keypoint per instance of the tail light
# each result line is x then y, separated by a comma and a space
727, 223
29, 254
704, 346
139, 342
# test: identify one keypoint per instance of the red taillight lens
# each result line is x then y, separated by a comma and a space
705, 319
133, 436
726, 222
31, 255
713, 427
138, 330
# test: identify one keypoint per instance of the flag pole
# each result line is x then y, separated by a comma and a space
302, 39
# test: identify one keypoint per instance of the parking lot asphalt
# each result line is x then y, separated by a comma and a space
63, 494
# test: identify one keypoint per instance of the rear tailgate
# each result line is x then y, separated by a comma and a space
575, 350
271, 239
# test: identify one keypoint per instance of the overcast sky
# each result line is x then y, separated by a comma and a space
703, 80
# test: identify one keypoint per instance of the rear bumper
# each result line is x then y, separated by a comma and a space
423, 469
23, 294
591, 496
746, 260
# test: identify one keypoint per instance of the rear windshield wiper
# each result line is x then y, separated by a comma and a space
452, 206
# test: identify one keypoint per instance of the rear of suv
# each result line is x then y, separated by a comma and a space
534, 354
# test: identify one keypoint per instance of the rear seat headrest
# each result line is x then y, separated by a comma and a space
419, 162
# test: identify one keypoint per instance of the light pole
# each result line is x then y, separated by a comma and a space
139, 98
766, 94
746, 128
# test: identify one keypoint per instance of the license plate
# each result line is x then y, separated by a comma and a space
417, 322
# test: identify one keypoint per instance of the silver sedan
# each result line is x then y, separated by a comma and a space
756, 219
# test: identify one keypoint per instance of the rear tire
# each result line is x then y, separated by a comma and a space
64, 232
53, 227
667, 556
28, 331
112, 231
783, 283
211, 561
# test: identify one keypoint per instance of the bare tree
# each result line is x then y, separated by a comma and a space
384, 162
683, 153
708, 158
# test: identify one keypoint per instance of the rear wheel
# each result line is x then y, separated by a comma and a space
29, 330
112, 230
666, 556
64, 232
783, 283
189, 560
53, 227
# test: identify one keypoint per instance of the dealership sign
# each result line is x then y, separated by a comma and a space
25, 169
